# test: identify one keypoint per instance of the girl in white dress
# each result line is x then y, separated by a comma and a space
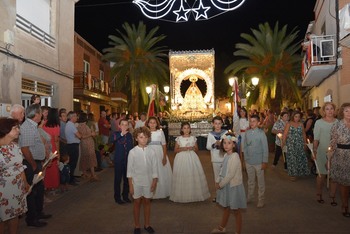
189, 182
158, 144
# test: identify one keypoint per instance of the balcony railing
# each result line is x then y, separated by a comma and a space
33, 30
319, 59
86, 81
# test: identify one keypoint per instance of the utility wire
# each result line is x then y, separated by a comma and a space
7, 52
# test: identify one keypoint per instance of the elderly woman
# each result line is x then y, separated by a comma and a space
322, 138
13, 183
87, 145
340, 160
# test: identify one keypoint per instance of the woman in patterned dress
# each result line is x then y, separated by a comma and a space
295, 138
87, 146
13, 183
340, 161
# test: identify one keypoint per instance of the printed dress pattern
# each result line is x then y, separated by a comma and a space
296, 157
12, 188
340, 162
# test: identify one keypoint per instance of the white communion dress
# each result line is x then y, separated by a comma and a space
164, 171
189, 183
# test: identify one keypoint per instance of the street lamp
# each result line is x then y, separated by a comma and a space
255, 81
148, 89
166, 89
243, 85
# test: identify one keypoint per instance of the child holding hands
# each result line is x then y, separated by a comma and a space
142, 174
231, 193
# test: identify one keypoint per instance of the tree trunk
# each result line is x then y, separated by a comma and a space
134, 104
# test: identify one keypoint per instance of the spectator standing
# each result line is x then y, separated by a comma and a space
13, 185
45, 111
64, 172
52, 127
122, 116
35, 99
322, 137
340, 161
131, 122
17, 112
104, 126
268, 123
73, 140
113, 122
97, 140
87, 145
226, 122
256, 155
142, 121
63, 120
33, 150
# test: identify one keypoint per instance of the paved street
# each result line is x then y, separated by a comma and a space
291, 207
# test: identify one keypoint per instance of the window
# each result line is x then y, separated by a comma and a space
102, 75
86, 66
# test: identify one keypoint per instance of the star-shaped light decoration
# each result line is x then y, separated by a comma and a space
201, 11
167, 9
182, 13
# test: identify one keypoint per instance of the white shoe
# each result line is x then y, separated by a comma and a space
260, 204
218, 230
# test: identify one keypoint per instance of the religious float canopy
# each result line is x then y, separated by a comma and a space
195, 103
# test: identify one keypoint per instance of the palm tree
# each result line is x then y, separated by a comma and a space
138, 62
272, 56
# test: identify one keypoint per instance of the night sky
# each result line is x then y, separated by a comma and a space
96, 19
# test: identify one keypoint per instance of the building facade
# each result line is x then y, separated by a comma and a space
93, 86
36, 51
325, 67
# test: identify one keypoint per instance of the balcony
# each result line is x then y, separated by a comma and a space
87, 86
319, 60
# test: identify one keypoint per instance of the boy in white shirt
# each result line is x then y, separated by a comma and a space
142, 174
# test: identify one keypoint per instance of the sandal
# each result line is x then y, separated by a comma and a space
346, 212
320, 200
333, 202
149, 229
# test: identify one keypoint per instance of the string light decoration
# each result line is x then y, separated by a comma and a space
181, 10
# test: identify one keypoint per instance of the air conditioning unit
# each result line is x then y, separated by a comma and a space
327, 48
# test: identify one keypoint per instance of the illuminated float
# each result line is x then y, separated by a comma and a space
191, 90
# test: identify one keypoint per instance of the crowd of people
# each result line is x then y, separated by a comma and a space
47, 150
